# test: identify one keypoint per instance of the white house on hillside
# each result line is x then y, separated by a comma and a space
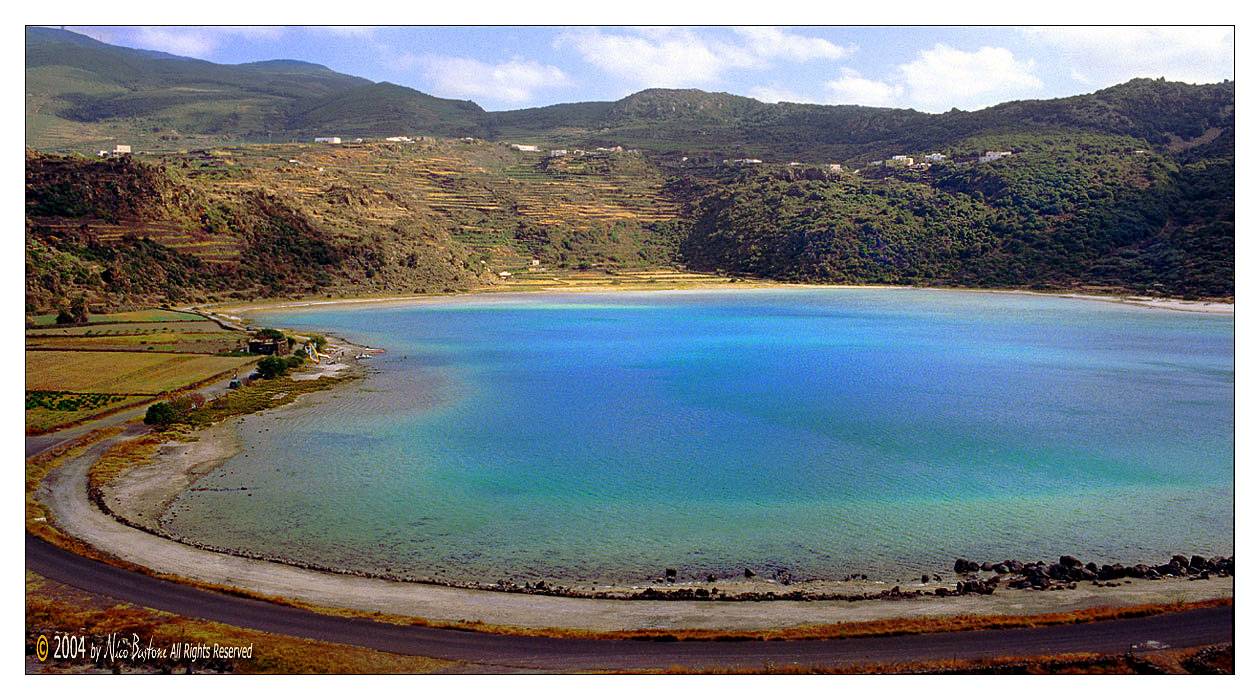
993, 155
327, 139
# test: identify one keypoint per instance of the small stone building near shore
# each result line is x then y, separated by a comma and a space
269, 346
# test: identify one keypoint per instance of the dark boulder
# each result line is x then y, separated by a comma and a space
925, 578
987, 566
1198, 562
1069, 562
962, 566
669, 573
748, 573
710, 578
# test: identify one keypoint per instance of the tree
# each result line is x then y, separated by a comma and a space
271, 367
79, 309
160, 413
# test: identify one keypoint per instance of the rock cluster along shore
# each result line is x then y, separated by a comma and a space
1069, 570
1039, 576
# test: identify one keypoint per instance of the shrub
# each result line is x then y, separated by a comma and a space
160, 413
271, 367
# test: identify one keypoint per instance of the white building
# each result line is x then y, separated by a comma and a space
122, 148
934, 157
557, 152
327, 139
993, 155
901, 160
524, 147
398, 139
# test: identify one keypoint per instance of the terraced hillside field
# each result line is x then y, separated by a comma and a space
481, 195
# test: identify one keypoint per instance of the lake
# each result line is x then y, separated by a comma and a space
817, 431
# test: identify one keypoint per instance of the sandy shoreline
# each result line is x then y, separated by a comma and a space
231, 309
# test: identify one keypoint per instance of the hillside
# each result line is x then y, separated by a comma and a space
1128, 189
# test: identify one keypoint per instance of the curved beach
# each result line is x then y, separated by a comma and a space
142, 493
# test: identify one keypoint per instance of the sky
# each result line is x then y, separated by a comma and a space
932, 68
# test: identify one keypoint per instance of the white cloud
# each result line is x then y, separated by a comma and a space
944, 77
197, 42
511, 81
772, 42
939, 79
852, 89
681, 57
773, 93
1108, 55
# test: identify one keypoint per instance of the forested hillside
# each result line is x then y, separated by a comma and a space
1128, 189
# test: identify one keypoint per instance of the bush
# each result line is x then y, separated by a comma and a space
160, 413
295, 360
271, 367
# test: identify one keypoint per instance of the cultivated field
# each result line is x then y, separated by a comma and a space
123, 372
50, 410
157, 340
146, 315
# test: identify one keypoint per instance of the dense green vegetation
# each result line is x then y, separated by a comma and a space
1127, 189
1066, 209
67, 401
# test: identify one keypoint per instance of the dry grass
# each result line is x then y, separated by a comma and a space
1211, 659
53, 607
126, 329
146, 315
123, 372
130, 453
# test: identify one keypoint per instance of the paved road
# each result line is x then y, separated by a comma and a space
37, 444
1185, 629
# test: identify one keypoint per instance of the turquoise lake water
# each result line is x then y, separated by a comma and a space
604, 437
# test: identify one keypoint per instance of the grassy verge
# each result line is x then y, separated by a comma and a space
258, 396
52, 607
1214, 659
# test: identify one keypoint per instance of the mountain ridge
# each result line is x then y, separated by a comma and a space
1128, 189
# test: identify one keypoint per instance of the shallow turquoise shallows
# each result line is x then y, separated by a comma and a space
820, 432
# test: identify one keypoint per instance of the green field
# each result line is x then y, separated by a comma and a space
48, 410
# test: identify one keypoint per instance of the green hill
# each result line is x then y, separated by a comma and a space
1127, 189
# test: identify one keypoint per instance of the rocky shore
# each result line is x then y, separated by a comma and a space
1066, 574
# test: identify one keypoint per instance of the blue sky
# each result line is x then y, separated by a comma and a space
926, 68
